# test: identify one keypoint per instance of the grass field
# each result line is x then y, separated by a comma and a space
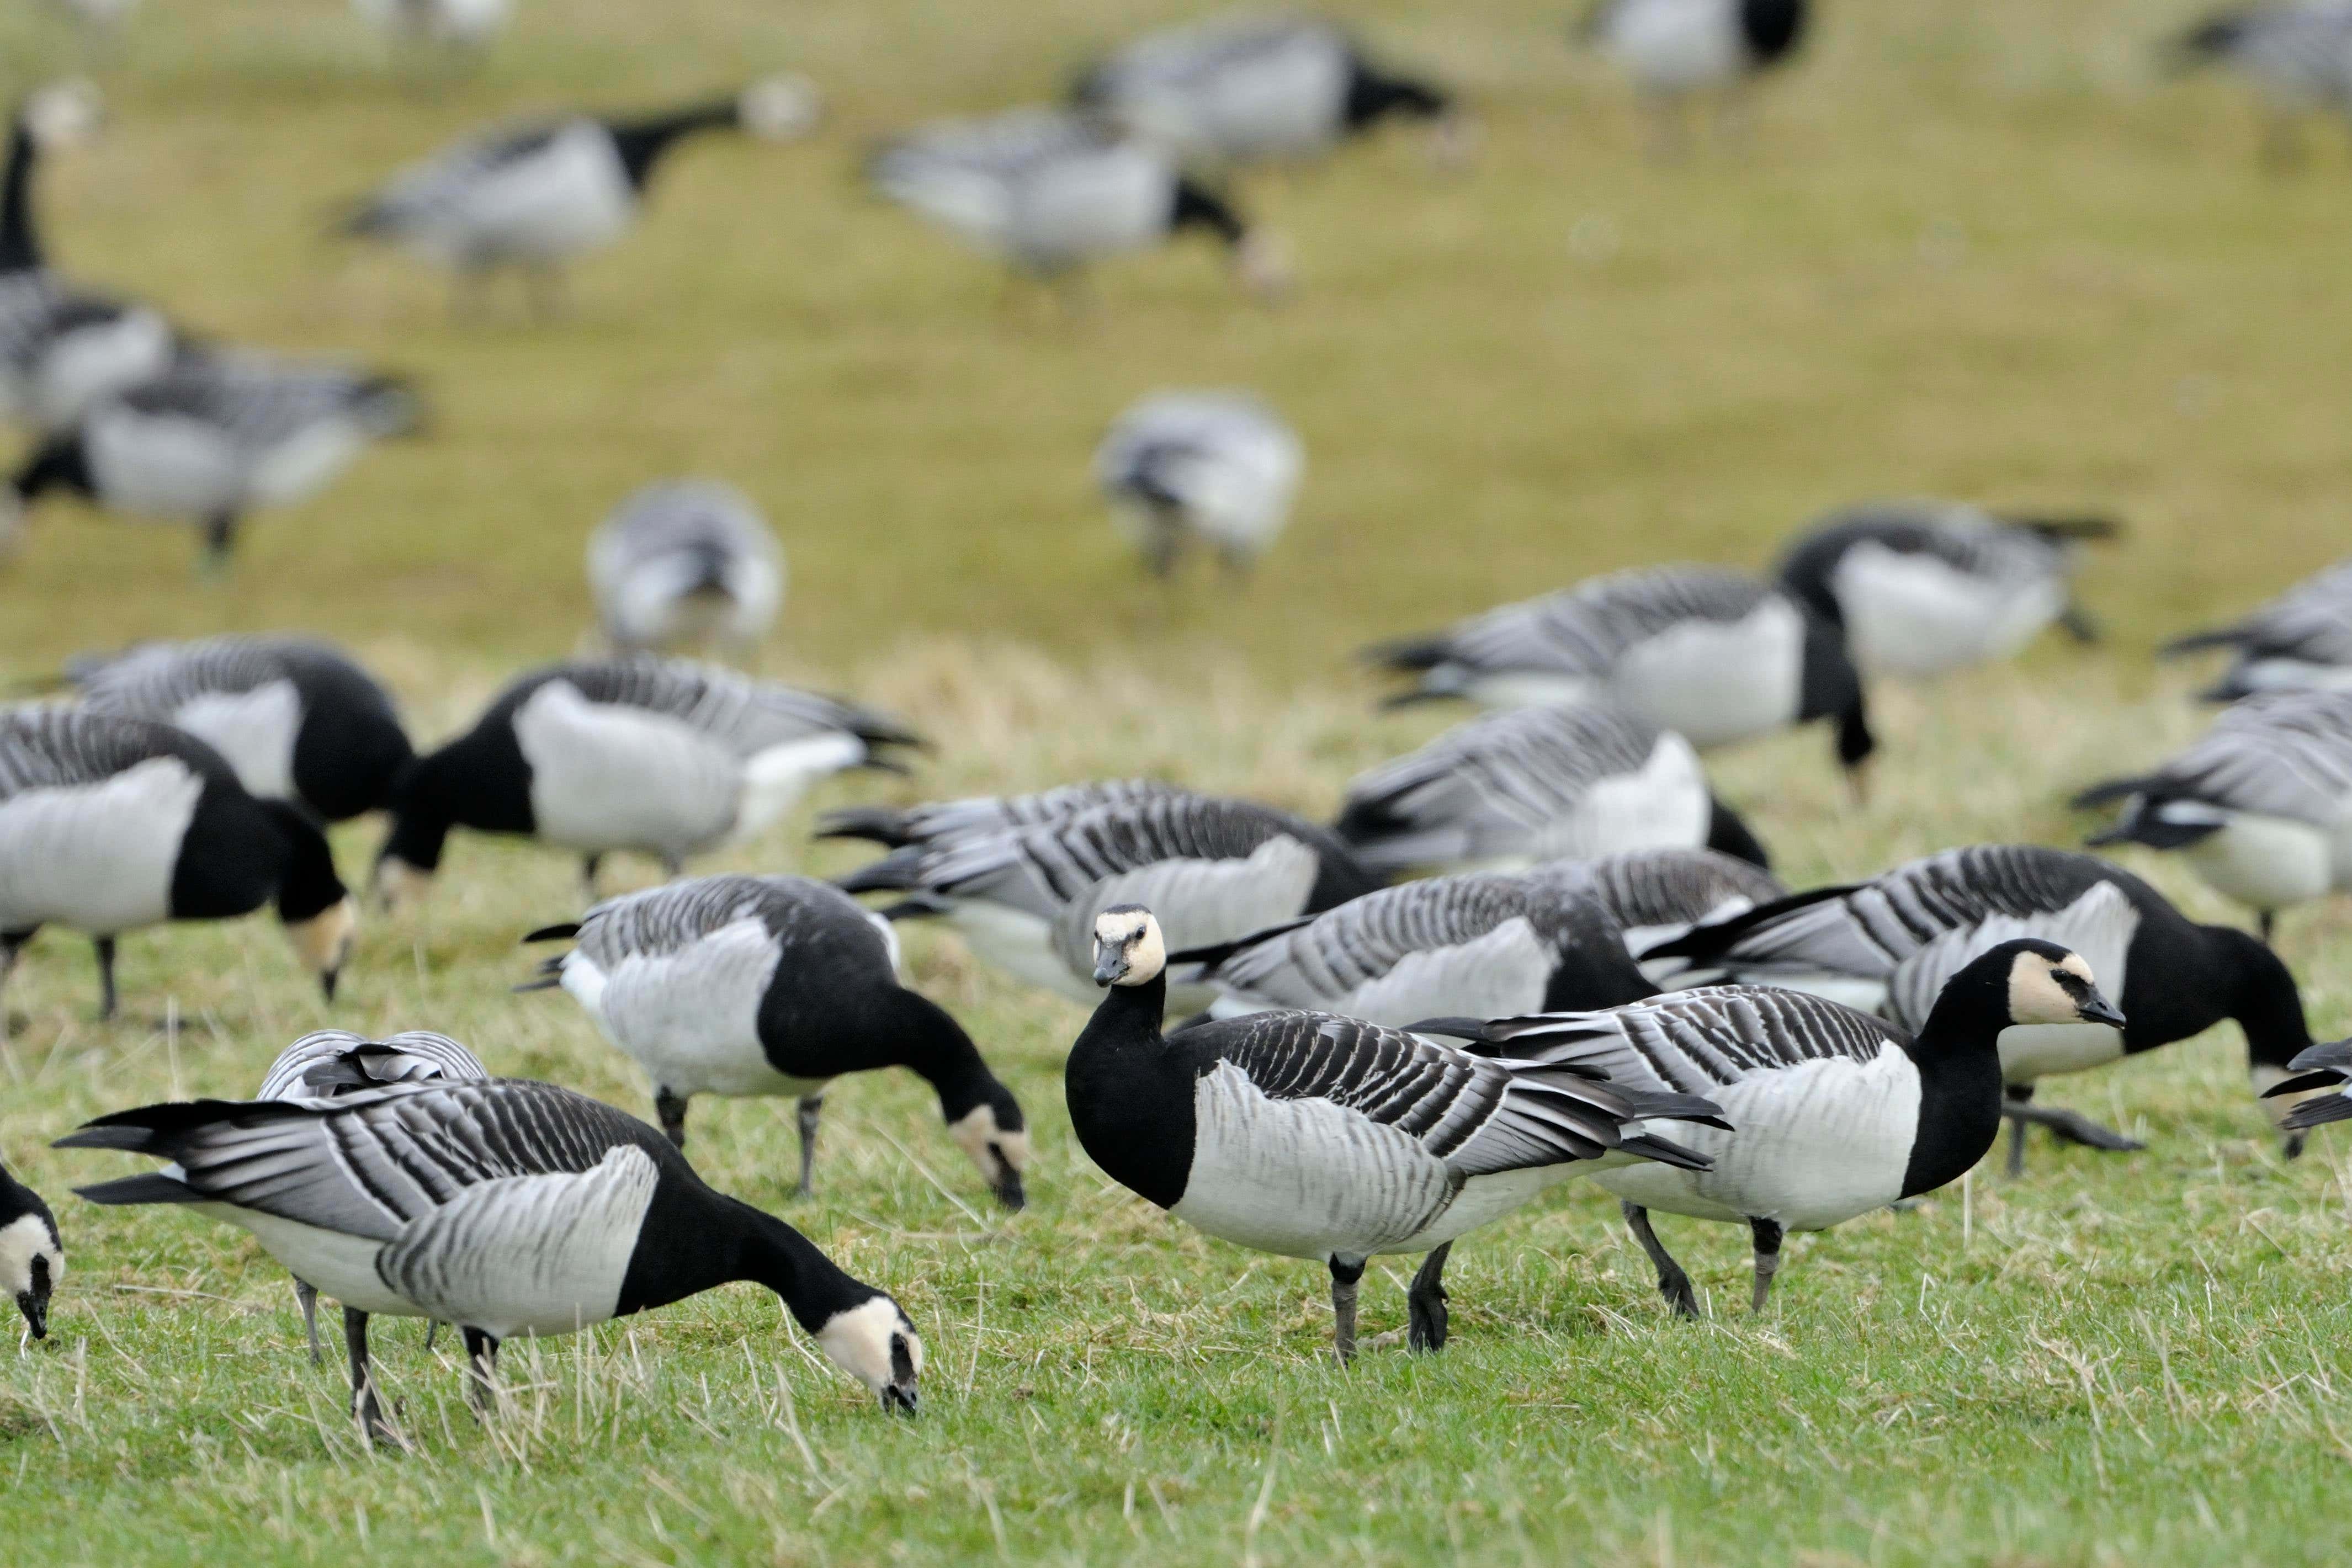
1983, 250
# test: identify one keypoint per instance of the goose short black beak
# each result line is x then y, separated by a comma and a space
2097, 1008
36, 1314
900, 1399
328, 979
1010, 1192
1109, 969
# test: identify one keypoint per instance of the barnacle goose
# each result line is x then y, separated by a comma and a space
2260, 805
896, 827
31, 1253
1253, 89
107, 824
1655, 895
506, 1207
1218, 467
540, 197
456, 24
775, 985
661, 756
1833, 1112
1711, 654
298, 718
2298, 56
1674, 49
1051, 191
1924, 587
1507, 790
1309, 1136
1888, 944
329, 1063
1025, 897
684, 562
216, 436
2300, 640
1480, 945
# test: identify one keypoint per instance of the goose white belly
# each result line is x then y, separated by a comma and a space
1915, 615
97, 858
2267, 861
340, 1267
1716, 682
570, 198
1665, 805
164, 465
690, 1018
254, 731
1675, 46
608, 777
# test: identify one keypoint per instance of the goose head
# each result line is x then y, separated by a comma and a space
62, 114
1128, 947
31, 1264
2050, 984
779, 108
995, 1137
873, 1343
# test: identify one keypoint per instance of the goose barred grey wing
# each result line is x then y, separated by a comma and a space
2311, 622
986, 814
256, 404
674, 917
745, 716
2280, 754
1644, 889
158, 678
425, 193
1585, 629
1362, 940
1697, 1042
331, 1062
47, 746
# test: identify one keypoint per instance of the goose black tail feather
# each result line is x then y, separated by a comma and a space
2198, 642
1701, 942
151, 1187
2326, 1078
894, 873
884, 825
1667, 1153
2320, 1108
2057, 529
2107, 791
150, 1129
564, 931
1666, 1106
1410, 654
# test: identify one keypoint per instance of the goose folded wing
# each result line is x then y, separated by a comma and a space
1198, 902
744, 715
1365, 939
58, 747
1693, 1043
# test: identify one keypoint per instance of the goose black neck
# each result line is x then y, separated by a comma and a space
57, 464
642, 142
1199, 207
2266, 1002
937, 1048
694, 1240
309, 885
20, 248
1958, 1054
1130, 1093
1372, 97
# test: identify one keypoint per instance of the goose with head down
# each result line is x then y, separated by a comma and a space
32, 1254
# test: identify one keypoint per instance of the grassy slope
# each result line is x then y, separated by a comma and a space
1973, 249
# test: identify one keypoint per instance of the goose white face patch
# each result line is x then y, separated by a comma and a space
1136, 934
866, 1340
2036, 997
990, 1147
22, 1239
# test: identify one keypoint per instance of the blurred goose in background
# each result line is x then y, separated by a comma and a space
1715, 655
299, 719
660, 755
1052, 192
506, 1207
451, 24
1655, 895
109, 824
1507, 790
685, 562
1218, 467
215, 437
1673, 51
1024, 898
1241, 90
1924, 588
538, 198
2298, 57
1887, 945
31, 1253
2260, 806
775, 985
2299, 641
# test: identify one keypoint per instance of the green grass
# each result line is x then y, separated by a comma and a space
1981, 250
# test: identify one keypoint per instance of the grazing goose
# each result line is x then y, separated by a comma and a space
1715, 655
2260, 805
2300, 641
216, 436
1052, 192
661, 756
1218, 467
1308, 1135
329, 1063
1507, 790
776, 985
32, 1254
297, 719
109, 824
506, 1207
2297, 55
451, 24
1253, 89
541, 197
1888, 945
1924, 587
1655, 895
1025, 898
685, 562
896, 828
1836, 1112
1677, 49
1479, 944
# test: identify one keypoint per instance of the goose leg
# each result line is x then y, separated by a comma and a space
671, 1109
481, 1372
307, 1299
2015, 1166
1766, 1234
588, 866
220, 539
432, 1332
1673, 1284
1345, 1277
2078, 623
673, 866
2269, 921
2075, 1128
812, 1107
11, 944
106, 998
365, 1408
1425, 1316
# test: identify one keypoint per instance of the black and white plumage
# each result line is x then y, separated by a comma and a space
776, 985
1673, 51
1924, 588
1025, 897
2300, 641
1216, 467
506, 1207
298, 718
219, 435
1715, 655
2260, 805
685, 562
450, 24
31, 1253
1655, 895
1256, 89
660, 755
1832, 1112
1309, 1136
540, 197
1052, 192
2297, 56
109, 824
1507, 790
1889, 945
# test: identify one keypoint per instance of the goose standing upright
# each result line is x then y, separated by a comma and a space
1218, 467
1309, 1136
299, 719
684, 562
2300, 641
1888, 945
506, 1207
775, 985
31, 1253
1655, 895
109, 824
2297, 55
1674, 50
660, 755
1832, 1112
